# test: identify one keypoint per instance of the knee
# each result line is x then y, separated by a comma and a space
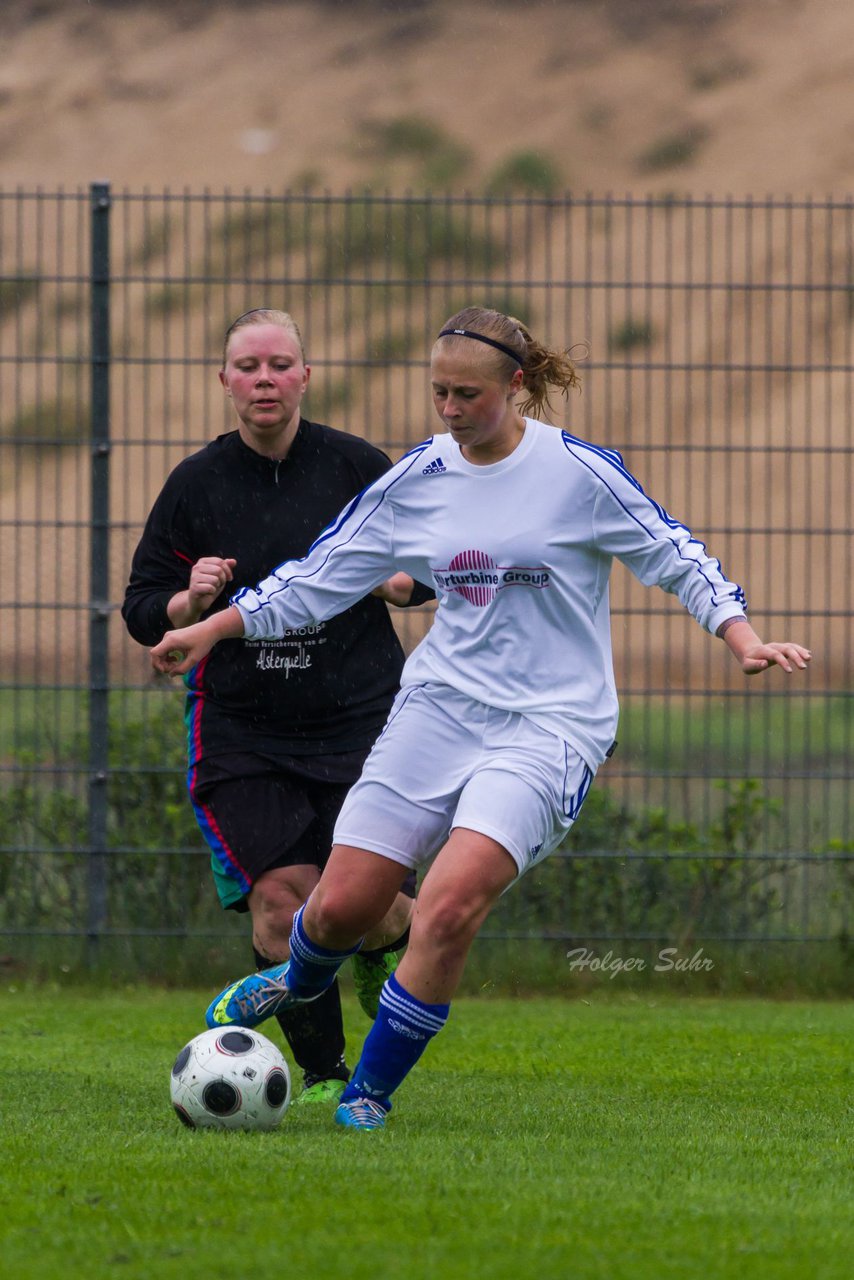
450, 921
329, 915
275, 900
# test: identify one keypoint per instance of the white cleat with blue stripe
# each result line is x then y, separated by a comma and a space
361, 1113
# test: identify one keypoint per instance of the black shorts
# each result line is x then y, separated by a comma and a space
259, 812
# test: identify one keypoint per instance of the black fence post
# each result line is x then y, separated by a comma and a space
99, 566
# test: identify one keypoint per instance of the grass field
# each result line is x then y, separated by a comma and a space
609, 1137
795, 729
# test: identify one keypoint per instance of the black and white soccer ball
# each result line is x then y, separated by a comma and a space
230, 1078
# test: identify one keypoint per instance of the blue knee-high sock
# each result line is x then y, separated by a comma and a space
312, 968
395, 1042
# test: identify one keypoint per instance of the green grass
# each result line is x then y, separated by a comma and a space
673, 149
704, 733
629, 334
528, 172
714, 72
59, 422
51, 723
418, 139
17, 291
410, 237
713, 858
173, 299
407, 136
609, 1137
717, 733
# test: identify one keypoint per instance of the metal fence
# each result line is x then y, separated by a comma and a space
714, 339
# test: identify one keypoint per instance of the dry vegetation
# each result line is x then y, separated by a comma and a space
665, 97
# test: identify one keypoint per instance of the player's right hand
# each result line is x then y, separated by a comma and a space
208, 579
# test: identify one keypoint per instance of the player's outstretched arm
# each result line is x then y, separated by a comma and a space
180, 650
755, 656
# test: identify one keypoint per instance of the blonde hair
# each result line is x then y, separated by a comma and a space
542, 367
263, 315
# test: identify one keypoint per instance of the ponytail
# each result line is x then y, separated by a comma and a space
543, 368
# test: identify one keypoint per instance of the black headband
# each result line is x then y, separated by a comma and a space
481, 337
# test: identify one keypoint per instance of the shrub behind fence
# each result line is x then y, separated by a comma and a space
715, 341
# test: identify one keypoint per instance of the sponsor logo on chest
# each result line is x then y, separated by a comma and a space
477, 578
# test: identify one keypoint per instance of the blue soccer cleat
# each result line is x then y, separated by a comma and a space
251, 1000
361, 1113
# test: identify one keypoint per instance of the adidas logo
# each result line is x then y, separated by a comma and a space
434, 468
399, 1027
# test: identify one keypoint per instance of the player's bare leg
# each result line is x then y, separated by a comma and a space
460, 889
357, 894
356, 897
464, 882
274, 899
314, 1032
278, 894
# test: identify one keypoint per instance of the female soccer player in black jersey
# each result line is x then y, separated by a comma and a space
278, 730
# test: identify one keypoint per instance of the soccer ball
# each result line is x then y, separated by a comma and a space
230, 1078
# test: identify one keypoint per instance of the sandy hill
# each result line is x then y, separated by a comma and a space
737, 96
661, 96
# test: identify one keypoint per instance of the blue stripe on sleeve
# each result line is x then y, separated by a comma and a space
615, 460
339, 523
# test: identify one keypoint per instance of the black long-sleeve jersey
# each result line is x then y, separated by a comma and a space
321, 689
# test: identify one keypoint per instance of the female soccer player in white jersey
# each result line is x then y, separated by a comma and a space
508, 705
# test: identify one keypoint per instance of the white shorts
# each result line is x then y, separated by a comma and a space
445, 761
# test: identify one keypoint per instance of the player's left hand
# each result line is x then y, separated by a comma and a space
763, 656
179, 651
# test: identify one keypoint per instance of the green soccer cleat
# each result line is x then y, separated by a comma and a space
369, 975
361, 1113
320, 1091
251, 1000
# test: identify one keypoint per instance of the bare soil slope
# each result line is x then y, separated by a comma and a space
661, 96
192, 94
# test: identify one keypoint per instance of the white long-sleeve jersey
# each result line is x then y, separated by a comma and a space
519, 553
